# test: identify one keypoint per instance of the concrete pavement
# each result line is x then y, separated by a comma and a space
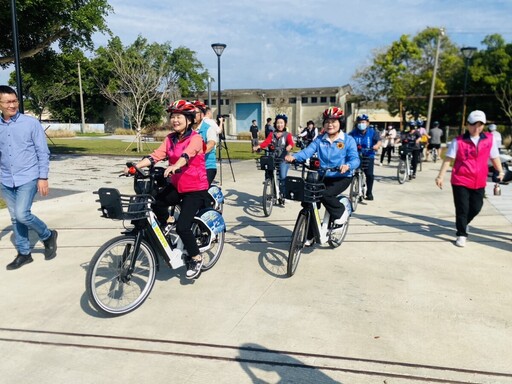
396, 303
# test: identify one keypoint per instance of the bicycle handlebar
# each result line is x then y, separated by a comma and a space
316, 166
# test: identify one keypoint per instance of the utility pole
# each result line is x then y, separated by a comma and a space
82, 127
432, 87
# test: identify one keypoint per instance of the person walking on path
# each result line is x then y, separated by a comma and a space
254, 135
470, 153
435, 139
24, 167
388, 143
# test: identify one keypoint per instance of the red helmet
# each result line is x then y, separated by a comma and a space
183, 107
200, 105
333, 113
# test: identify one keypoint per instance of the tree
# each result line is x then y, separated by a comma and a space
401, 74
41, 24
493, 68
137, 76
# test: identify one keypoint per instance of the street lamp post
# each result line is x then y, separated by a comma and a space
467, 53
218, 48
210, 80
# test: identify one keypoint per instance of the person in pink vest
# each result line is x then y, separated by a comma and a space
184, 148
470, 153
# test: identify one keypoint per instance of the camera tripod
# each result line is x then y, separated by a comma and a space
223, 144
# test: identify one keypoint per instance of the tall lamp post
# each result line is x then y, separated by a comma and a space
218, 48
467, 53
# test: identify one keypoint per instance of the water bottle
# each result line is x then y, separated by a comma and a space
497, 189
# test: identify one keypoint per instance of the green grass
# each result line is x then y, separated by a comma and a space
236, 150
2, 203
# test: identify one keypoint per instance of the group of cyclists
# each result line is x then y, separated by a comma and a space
190, 150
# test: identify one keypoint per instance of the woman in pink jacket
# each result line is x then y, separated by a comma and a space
184, 148
470, 153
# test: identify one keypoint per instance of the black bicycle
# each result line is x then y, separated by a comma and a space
270, 163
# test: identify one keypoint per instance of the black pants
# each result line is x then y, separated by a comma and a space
190, 203
368, 169
210, 174
468, 203
388, 150
330, 200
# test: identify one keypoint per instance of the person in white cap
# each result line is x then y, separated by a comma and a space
470, 153
497, 136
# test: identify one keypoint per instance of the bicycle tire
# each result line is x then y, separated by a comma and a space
108, 290
212, 254
268, 196
336, 238
297, 245
354, 192
420, 161
401, 171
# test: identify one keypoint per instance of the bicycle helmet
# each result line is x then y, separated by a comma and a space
492, 127
435, 124
333, 113
412, 124
182, 107
200, 105
282, 116
362, 117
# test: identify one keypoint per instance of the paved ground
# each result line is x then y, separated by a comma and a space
396, 303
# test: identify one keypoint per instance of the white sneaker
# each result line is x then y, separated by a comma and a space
461, 241
343, 219
309, 242
380, 164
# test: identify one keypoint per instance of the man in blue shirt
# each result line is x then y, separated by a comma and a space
368, 142
24, 166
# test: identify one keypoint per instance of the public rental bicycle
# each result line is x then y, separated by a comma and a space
404, 169
308, 189
122, 272
271, 193
358, 187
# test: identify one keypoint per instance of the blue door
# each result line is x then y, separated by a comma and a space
245, 114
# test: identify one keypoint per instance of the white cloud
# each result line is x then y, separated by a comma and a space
287, 43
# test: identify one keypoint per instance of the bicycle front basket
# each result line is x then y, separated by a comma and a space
266, 163
294, 188
116, 206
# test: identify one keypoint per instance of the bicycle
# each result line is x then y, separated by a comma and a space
309, 188
122, 272
271, 193
358, 187
404, 169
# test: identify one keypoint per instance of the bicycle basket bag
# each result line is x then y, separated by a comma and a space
294, 188
267, 163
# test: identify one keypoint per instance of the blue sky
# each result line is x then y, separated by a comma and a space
307, 43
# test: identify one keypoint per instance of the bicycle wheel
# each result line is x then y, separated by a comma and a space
401, 171
110, 288
354, 192
336, 237
420, 161
297, 244
212, 253
268, 196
